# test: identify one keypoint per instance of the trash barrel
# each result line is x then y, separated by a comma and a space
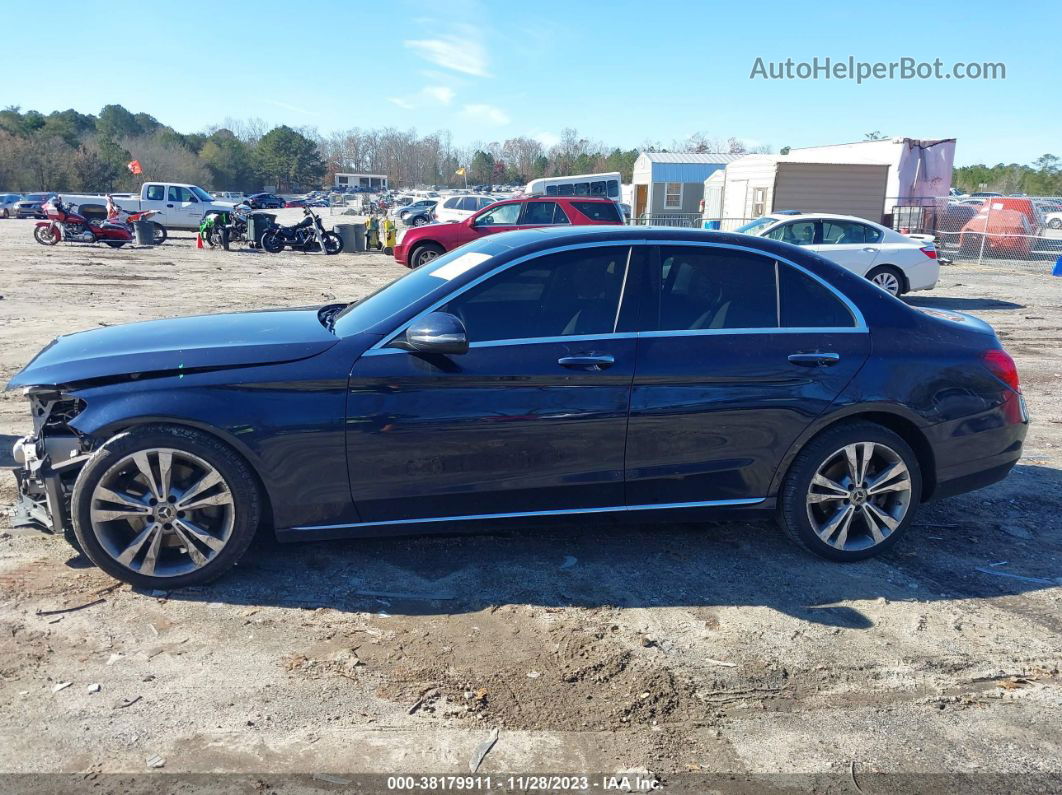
144, 232
257, 224
352, 235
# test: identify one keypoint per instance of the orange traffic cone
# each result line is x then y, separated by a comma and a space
198, 239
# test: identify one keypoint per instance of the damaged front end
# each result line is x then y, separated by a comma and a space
48, 461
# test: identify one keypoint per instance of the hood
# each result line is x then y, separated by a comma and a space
184, 343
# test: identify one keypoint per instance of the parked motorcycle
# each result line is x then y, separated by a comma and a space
220, 229
307, 235
117, 215
64, 224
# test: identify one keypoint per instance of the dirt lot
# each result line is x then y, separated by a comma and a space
592, 649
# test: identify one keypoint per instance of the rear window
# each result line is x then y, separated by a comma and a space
598, 211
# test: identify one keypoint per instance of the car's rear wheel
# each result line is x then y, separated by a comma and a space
851, 492
422, 255
165, 507
887, 278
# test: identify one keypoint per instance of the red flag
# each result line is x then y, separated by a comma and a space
134, 166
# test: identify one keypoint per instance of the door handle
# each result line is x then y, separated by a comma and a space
169, 205
870, 250
815, 359
588, 361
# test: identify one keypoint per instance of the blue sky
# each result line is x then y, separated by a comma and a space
619, 72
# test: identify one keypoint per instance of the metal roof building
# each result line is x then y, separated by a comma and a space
672, 183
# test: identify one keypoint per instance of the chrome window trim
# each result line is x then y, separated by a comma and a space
860, 326
494, 271
531, 514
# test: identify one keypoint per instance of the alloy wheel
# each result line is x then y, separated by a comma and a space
162, 512
859, 496
887, 281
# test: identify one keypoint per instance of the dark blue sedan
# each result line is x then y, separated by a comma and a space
592, 371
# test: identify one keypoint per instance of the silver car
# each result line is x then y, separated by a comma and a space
7, 204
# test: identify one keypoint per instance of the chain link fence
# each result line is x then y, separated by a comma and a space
1007, 231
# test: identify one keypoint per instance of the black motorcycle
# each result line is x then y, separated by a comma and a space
307, 235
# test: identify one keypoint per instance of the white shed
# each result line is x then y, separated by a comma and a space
760, 184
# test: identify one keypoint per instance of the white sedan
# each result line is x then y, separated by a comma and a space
894, 262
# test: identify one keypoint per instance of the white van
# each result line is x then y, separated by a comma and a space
606, 185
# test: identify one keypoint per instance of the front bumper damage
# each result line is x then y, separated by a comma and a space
47, 462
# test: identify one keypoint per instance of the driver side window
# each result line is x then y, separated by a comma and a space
557, 295
799, 233
505, 215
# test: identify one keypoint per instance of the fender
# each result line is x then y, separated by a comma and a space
835, 414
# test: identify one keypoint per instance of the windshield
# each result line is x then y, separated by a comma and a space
201, 194
406, 290
757, 227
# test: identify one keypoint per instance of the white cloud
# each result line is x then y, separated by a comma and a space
461, 51
487, 113
443, 94
402, 103
547, 139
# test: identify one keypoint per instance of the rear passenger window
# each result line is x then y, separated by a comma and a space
543, 213
598, 211
704, 289
805, 303
155, 193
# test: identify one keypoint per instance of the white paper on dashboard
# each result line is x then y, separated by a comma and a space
456, 267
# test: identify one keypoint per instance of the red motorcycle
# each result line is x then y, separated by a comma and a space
64, 224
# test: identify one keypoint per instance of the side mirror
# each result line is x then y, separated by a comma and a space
437, 332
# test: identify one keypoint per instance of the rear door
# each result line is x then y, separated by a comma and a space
737, 354
850, 244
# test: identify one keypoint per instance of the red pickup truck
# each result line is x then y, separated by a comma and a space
424, 243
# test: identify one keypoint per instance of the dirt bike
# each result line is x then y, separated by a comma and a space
64, 224
307, 235
158, 231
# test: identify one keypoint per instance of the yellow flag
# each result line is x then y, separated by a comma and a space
460, 172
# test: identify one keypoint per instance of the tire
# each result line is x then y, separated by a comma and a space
803, 500
425, 254
272, 243
45, 236
158, 234
1054, 223
420, 220
888, 278
5, 213
333, 243
115, 243
226, 514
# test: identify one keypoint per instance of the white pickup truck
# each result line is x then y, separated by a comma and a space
179, 206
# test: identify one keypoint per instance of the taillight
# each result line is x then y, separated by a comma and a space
1002, 367
929, 251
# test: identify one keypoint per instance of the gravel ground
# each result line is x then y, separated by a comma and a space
675, 649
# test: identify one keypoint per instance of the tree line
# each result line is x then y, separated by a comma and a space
72, 151
1042, 178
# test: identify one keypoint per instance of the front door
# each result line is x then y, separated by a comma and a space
739, 355
532, 419
182, 204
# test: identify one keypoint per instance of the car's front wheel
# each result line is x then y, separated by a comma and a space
425, 254
851, 492
164, 507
